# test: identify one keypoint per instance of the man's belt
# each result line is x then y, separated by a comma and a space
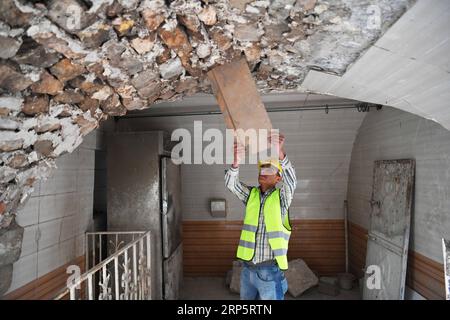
261, 264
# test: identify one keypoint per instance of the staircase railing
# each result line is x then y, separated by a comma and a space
124, 273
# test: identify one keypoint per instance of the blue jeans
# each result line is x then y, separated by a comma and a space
263, 283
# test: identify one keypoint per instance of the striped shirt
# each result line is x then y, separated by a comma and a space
263, 252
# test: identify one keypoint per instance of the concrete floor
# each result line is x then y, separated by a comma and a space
214, 288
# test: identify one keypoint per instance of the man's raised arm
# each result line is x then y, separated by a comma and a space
289, 179
232, 182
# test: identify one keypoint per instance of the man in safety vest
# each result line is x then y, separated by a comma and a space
265, 233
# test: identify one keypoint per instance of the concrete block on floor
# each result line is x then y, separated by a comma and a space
329, 286
299, 277
235, 284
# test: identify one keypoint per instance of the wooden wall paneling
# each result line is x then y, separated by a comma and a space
47, 286
424, 275
210, 246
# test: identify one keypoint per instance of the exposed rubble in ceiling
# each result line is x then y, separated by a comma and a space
65, 65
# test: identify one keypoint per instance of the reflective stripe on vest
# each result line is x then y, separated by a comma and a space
278, 231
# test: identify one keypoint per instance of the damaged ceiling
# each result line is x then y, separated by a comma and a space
66, 65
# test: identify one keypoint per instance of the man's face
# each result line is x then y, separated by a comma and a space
268, 176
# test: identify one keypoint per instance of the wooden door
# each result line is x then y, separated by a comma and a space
388, 238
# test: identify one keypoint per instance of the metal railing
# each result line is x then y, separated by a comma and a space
118, 266
100, 245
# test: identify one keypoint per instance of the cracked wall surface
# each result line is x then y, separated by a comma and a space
67, 65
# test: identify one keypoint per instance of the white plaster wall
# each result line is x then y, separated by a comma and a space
58, 214
394, 134
318, 144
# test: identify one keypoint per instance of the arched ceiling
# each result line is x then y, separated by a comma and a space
407, 68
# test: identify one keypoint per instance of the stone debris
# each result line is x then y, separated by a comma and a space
177, 40
246, 32
186, 85
32, 53
320, 8
65, 70
7, 174
329, 286
10, 145
307, 5
11, 80
253, 52
104, 93
239, 4
35, 104
69, 96
152, 20
299, 277
171, 68
10, 105
8, 47
122, 26
18, 160
44, 147
203, 50
142, 45
191, 22
95, 35
70, 15
48, 84
208, 16
8, 124
12, 15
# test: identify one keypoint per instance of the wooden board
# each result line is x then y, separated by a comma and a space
238, 98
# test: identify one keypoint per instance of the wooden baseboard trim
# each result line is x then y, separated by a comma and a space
210, 246
424, 275
47, 286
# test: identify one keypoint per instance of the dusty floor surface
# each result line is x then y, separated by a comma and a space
214, 288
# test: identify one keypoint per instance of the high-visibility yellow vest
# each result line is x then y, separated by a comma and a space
278, 231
